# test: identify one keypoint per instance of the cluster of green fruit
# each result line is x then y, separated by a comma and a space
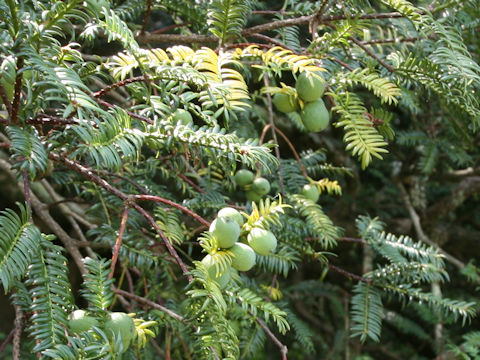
117, 324
226, 229
310, 88
254, 188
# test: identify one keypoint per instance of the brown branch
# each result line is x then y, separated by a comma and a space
173, 204
272, 41
294, 151
132, 114
349, 239
283, 348
302, 20
150, 303
7, 340
390, 41
129, 200
147, 15
118, 242
17, 92
148, 38
372, 55
122, 83
17, 335
349, 274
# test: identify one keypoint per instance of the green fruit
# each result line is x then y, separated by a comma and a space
261, 186
78, 321
232, 214
253, 196
226, 231
244, 177
183, 116
315, 116
244, 257
262, 241
120, 324
223, 279
285, 103
309, 86
311, 192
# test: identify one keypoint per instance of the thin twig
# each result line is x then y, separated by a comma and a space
17, 92
18, 325
274, 135
372, 55
118, 242
7, 340
132, 114
283, 348
272, 41
167, 242
122, 83
349, 274
129, 200
147, 15
173, 204
349, 239
150, 303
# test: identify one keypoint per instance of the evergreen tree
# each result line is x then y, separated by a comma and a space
245, 179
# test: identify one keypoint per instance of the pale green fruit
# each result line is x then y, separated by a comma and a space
183, 116
223, 279
311, 192
244, 177
232, 214
309, 86
262, 241
79, 321
315, 116
120, 324
244, 257
253, 196
285, 103
261, 186
226, 231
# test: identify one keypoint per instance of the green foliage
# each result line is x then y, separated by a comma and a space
97, 285
19, 239
88, 96
366, 312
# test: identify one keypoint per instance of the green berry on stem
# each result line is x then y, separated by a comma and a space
244, 257
262, 241
226, 231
